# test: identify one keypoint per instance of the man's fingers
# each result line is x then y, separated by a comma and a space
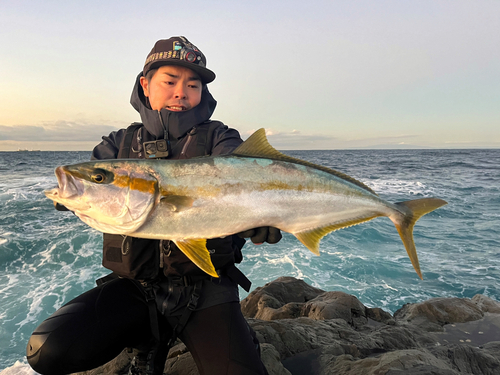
274, 235
247, 234
260, 235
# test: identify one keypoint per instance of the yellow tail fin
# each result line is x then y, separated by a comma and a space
413, 210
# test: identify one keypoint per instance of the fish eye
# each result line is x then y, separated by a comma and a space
98, 178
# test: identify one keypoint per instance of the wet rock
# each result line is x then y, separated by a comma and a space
468, 359
271, 359
433, 314
379, 315
335, 333
413, 361
182, 364
280, 299
486, 304
336, 305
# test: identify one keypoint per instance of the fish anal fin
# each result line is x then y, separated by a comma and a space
311, 238
196, 250
257, 146
177, 203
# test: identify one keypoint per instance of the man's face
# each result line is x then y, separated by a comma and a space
174, 88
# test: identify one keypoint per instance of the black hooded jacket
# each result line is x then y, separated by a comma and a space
178, 124
146, 257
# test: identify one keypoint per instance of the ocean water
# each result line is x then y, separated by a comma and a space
49, 257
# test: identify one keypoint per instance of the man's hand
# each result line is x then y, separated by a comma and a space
263, 234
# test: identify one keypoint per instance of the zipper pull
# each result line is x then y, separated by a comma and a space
164, 252
190, 135
161, 254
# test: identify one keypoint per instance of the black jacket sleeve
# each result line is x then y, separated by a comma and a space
225, 140
108, 148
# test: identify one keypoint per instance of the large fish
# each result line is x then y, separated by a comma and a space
189, 201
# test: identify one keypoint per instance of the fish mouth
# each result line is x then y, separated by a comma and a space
68, 186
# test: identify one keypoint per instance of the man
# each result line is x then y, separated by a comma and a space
155, 293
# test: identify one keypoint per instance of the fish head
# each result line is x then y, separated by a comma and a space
112, 197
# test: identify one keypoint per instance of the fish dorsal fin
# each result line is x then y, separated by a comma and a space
257, 146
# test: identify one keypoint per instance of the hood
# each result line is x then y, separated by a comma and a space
177, 123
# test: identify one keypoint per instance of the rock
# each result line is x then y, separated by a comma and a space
272, 361
182, 364
290, 337
180, 361
493, 347
336, 305
486, 304
433, 314
476, 333
280, 299
413, 361
379, 315
468, 359
290, 298
334, 333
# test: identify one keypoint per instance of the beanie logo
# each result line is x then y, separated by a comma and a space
177, 46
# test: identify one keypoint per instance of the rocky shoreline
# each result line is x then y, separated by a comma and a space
305, 330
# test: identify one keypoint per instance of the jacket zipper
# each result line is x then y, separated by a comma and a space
164, 255
162, 262
190, 136
165, 131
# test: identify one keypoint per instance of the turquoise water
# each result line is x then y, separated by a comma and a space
49, 257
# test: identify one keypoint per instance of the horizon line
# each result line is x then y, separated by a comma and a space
326, 149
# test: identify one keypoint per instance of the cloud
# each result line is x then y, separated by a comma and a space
59, 131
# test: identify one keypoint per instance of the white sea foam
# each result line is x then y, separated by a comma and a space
387, 286
400, 187
19, 368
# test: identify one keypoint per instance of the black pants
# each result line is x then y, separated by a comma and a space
95, 327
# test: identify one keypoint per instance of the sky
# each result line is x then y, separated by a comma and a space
316, 75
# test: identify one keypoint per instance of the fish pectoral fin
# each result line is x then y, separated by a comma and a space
177, 203
311, 238
196, 250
